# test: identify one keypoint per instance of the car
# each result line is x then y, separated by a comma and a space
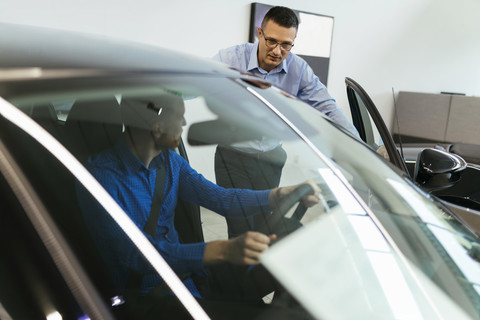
376, 246
437, 169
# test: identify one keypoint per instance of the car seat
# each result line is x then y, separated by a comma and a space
92, 126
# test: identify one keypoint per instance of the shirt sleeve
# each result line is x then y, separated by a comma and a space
226, 202
236, 57
226, 56
182, 258
217, 57
313, 92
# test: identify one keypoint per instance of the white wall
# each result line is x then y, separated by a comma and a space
415, 45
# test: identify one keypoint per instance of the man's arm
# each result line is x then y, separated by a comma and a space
313, 92
247, 248
237, 57
195, 188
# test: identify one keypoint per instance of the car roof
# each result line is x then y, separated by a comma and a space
24, 46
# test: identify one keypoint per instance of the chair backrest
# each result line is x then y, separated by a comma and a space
92, 126
46, 116
44, 112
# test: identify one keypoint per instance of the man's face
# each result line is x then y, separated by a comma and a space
170, 127
269, 58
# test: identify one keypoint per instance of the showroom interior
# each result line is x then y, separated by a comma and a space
412, 45
385, 235
419, 46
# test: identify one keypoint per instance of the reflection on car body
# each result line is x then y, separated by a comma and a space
376, 247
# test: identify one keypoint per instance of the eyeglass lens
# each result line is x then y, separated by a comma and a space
273, 43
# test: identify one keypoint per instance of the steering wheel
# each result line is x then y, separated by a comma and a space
277, 223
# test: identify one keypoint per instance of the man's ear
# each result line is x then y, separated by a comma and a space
259, 32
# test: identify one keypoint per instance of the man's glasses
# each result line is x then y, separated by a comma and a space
272, 44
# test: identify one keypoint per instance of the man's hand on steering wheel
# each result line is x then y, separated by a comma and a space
278, 196
306, 194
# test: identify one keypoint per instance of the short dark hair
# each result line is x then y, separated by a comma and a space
142, 112
282, 16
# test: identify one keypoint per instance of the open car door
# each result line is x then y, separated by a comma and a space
443, 174
364, 112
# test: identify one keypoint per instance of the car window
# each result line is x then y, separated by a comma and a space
372, 136
412, 219
370, 124
88, 121
359, 193
99, 245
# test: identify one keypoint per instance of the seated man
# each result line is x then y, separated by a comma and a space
129, 171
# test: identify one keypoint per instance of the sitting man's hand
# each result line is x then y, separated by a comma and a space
308, 200
245, 249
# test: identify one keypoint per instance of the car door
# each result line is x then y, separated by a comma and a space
50, 259
460, 197
364, 112
40, 275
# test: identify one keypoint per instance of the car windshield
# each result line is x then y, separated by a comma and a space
374, 246
436, 241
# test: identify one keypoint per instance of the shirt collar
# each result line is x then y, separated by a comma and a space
253, 62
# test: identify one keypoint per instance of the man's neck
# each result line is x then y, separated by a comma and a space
142, 146
260, 64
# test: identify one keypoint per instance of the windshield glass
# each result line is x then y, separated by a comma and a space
369, 225
425, 233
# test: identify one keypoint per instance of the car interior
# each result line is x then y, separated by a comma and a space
90, 127
87, 124
68, 218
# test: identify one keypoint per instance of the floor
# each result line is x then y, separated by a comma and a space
214, 225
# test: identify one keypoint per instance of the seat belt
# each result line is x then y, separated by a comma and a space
134, 281
151, 224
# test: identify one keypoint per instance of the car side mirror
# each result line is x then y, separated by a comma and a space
437, 169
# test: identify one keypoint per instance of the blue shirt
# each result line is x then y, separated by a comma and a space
293, 76
132, 185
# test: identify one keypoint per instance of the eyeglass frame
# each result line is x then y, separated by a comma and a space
276, 43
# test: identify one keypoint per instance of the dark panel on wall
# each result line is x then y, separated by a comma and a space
319, 65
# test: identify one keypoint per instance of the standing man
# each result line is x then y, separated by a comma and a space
258, 164
270, 58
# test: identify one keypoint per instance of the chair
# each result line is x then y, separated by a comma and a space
46, 116
92, 126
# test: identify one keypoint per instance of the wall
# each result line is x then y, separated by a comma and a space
413, 45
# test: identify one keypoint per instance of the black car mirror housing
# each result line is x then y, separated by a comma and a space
437, 169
